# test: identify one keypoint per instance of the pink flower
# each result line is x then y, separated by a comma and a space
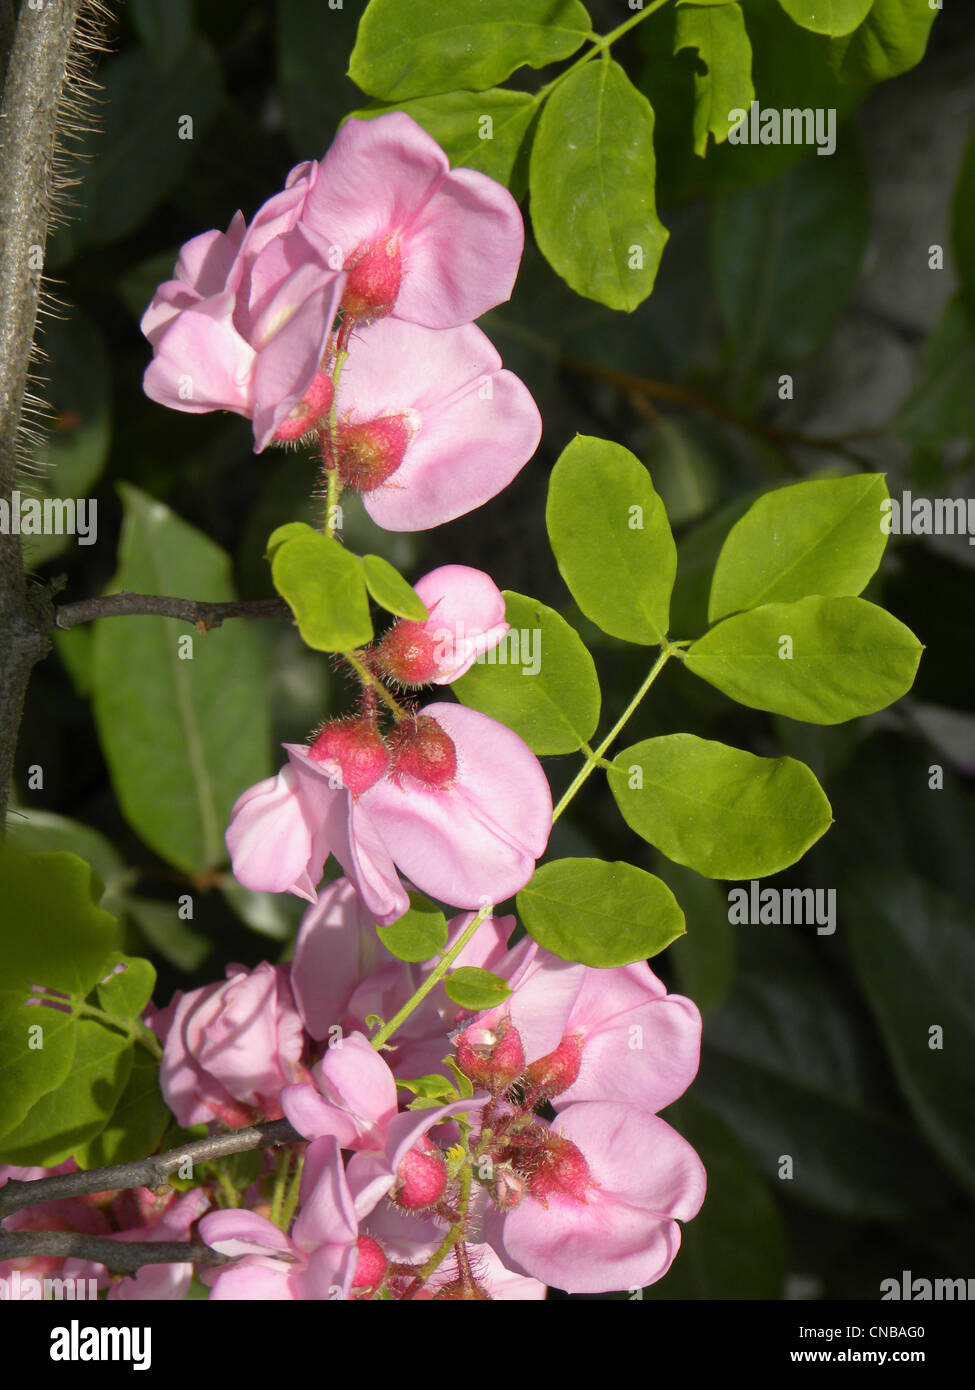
603, 1194
464, 812
494, 1279
341, 973
230, 1047
353, 1097
434, 246
466, 619
316, 1261
245, 324
429, 426
597, 1034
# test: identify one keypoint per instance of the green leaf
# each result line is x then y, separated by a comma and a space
325, 587
704, 958
823, 660
413, 51
431, 1087
786, 257
735, 1247
476, 130
183, 736
37, 1048
913, 949
718, 34
891, 40
67, 1117
818, 537
137, 1123
474, 988
592, 176
827, 16
789, 71
719, 810
419, 934
942, 405
963, 226
77, 388
51, 931
793, 1069
550, 697
36, 831
599, 914
391, 591
291, 530
126, 994
611, 538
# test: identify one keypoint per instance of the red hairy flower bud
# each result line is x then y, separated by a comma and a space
408, 653
370, 1268
562, 1171
355, 748
491, 1057
309, 411
420, 748
369, 453
551, 1075
421, 1177
375, 275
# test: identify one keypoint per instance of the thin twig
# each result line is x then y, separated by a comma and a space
120, 1256
144, 1172
202, 615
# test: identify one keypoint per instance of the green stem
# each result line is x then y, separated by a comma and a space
226, 1186
367, 678
594, 761
457, 1232
291, 1196
334, 490
278, 1196
132, 1028
434, 978
601, 44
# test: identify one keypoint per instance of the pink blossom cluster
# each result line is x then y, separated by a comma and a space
447, 796
588, 1201
384, 252
470, 1194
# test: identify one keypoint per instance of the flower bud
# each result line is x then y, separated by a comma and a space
507, 1189
355, 748
374, 278
421, 1177
420, 748
407, 653
491, 1057
551, 1075
561, 1171
309, 412
370, 1268
369, 453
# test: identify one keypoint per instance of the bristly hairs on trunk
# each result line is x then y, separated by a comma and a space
48, 98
